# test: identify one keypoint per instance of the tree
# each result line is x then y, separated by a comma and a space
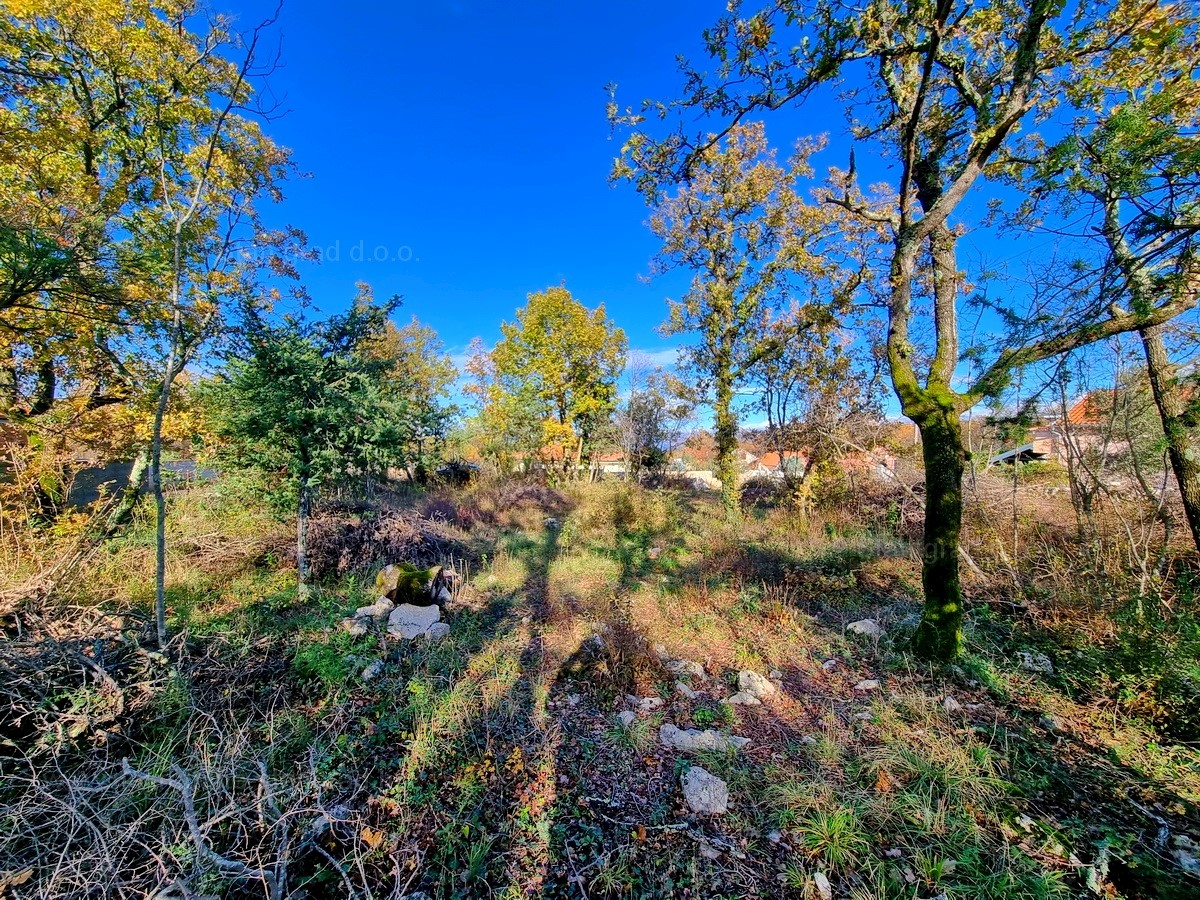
561, 360
814, 390
1138, 163
310, 405
738, 224
420, 375
653, 420
941, 89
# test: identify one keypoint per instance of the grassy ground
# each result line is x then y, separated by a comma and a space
491, 764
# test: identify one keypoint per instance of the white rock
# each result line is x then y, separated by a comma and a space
741, 698
865, 627
690, 740
408, 621
775, 674
645, 704
823, 887
868, 684
376, 610
829, 665
1186, 861
686, 667
951, 706
372, 670
754, 684
1033, 661
686, 692
355, 627
775, 836
437, 631
626, 717
705, 793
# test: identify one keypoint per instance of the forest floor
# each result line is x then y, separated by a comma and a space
254, 755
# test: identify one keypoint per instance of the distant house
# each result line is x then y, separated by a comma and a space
1082, 426
612, 464
776, 465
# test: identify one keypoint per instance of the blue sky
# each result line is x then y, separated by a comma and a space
458, 154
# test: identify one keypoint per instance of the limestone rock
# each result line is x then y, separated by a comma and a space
690, 740
437, 631
355, 627
741, 698
868, 684
951, 706
823, 888
1033, 661
373, 670
865, 627
408, 621
376, 610
686, 667
686, 692
754, 684
643, 704
705, 793
626, 717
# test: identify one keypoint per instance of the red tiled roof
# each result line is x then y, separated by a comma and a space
1090, 408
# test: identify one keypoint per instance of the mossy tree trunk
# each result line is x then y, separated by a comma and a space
726, 435
939, 635
1173, 413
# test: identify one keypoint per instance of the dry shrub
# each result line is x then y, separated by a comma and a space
513, 504
345, 539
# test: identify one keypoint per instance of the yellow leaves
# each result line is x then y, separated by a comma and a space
372, 837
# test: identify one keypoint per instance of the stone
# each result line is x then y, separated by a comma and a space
408, 621
645, 704
686, 692
868, 684
951, 706
1033, 661
741, 698
686, 667
822, 886
708, 851
775, 836
437, 631
705, 793
373, 670
754, 684
865, 627
829, 665
355, 627
626, 717
690, 740
376, 610
1186, 861
775, 675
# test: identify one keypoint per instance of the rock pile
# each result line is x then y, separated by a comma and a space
410, 601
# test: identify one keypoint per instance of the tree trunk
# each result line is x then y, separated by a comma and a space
726, 435
160, 502
1172, 408
123, 511
302, 512
939, 636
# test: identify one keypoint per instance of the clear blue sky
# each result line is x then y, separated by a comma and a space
465, 144
458, 153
